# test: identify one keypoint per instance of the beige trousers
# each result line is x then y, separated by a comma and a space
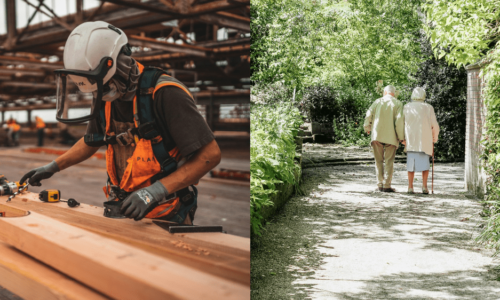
383, 152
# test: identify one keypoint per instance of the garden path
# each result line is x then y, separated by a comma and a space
345, 240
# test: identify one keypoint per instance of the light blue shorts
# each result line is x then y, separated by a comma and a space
417, 162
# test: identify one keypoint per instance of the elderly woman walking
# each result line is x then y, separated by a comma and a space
421, 131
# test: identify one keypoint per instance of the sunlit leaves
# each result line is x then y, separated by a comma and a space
272, 154
462, 30
303, 43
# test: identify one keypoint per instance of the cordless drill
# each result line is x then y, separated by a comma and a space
7, 187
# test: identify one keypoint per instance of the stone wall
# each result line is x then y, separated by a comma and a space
476, 112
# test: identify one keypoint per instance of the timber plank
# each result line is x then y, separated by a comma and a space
31, 279
113, 268
219, 254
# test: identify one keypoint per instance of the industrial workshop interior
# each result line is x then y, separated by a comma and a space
125, 149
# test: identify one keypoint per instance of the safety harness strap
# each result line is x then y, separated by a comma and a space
147, 128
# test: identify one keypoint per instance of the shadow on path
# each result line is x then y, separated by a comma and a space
344, 240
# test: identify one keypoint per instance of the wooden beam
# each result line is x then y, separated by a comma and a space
79, 104
136, 40
230, 42
179, 10
226, 20
26, 84
79, 12
20, 72
14, 60
113, 268
146, 7
30, 279
214, 6
219, 254
54, 17
122, 19
48, 32
11, 23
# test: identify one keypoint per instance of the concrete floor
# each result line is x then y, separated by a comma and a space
220, 202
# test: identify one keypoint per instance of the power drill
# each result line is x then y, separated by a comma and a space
7, 187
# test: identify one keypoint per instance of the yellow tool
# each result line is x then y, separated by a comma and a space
55, 196
50, 195
20, 190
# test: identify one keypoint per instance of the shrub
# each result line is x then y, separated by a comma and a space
320, 104
272, 154
491, 163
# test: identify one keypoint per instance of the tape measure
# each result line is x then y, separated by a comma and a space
55, 196
50, 195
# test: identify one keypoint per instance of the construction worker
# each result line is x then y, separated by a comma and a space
15, 131
40, 130
158, 144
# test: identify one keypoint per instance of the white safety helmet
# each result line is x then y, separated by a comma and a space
90, 56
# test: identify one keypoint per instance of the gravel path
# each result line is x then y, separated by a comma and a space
344, 240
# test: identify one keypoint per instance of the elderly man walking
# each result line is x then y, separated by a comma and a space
384, 119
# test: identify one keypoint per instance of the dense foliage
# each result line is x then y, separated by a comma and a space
491, 158
272, 154
464, 32
446, 89
303, 43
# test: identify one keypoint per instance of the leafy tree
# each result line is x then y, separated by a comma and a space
348, 45
462, 30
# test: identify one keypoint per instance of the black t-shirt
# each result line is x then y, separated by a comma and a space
178, 114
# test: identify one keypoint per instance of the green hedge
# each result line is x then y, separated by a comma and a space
272, 153
491, 160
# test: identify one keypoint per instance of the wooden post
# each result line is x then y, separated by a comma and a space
210, 113
11, 23
29, 118
79, 12
215, 29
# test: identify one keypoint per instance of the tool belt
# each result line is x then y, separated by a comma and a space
117, 195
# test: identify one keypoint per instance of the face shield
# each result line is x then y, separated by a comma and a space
81, 89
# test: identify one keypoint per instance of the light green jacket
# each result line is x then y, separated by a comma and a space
384, 119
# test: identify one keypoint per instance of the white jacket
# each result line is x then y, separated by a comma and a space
421, 127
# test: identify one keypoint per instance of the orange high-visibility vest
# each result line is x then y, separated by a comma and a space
142, 165
39, 123
14, 126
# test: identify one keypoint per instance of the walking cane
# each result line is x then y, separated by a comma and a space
432, 185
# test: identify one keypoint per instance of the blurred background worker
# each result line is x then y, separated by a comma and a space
14, 132
40, 130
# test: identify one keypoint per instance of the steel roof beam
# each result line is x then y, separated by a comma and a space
135, 40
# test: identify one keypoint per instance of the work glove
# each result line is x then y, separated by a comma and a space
138, 204
36, 175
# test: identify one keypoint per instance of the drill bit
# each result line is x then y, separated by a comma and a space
18, 192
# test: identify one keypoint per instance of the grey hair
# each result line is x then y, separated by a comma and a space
418, 94
390, 89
